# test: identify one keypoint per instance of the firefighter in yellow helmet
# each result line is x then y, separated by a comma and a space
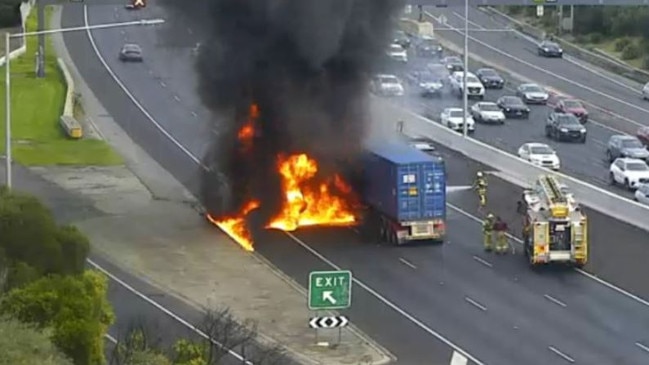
487, 232
480, 185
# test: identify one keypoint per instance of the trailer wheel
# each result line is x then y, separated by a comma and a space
394, 240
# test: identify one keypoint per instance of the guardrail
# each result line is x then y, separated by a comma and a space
70, 125
514, 169
615, 66
25, 9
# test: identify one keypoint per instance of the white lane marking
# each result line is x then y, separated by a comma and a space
163, 84
371, 291
111, 338
475, 304
583, 65
561, 354
598, 142
407, 263
458, 359
130, 96
194, 114
643, 347
482, 261
555, 300
588, 275
177, 98
386, 301
562, 78
166, 311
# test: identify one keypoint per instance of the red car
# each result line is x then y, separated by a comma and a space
643, 135
574, 107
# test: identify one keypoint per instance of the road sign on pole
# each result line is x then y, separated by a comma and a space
330, 290
328, 322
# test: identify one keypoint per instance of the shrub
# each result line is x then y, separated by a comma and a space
595, 38
621, 44
631, 52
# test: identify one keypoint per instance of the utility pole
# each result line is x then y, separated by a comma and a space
465, 95
40, 58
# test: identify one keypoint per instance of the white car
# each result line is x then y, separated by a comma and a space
629, 172
488, 113
387, 85
397, 53
532, 94
540, 154
642, 194
645, 91
474, 87
452, 118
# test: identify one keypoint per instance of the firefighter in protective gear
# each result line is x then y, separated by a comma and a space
480, 185
487, 231
501, 235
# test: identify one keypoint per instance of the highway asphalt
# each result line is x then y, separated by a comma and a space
447, 286
518, 54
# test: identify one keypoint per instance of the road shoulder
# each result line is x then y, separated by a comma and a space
149, 228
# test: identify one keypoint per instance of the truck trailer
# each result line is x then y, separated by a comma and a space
403, 194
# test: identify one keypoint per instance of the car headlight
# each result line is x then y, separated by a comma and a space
560, 50
546, 49
583, 131
564, 130
507, 109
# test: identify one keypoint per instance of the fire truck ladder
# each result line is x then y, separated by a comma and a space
556, 200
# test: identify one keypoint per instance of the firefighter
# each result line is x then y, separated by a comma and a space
501, 235
480, 185
487, 232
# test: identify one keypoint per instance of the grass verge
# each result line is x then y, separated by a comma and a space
36, 106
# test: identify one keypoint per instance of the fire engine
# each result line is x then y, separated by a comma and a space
555, 229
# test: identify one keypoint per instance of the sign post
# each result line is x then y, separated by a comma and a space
329, 290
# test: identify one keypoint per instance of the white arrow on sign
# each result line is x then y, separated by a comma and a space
328, 295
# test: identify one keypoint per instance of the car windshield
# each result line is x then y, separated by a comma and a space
399, 34
453, 60
568, 119
471, 78
631, 143
131, 47
532, 89
637, 166
428, 77
488, 72
572, 104
395, 48
388, 80
455, 114
541, 150
489, 107
511, 101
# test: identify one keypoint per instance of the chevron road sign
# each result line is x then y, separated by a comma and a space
330, 290
329, 322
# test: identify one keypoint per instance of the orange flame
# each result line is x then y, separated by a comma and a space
235, 227
308, 206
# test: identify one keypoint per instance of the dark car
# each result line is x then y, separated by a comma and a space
626, 147
513, 107
643, 135
490, 78
428, 47
574, 107
549, 49
564, 127
453, 64
401, 38
130, 53
426, 83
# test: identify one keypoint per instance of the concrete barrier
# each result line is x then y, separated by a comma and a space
617, 67
25, 9
512, 168
70, 125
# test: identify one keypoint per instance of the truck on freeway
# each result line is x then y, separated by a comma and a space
403, 194
555, 229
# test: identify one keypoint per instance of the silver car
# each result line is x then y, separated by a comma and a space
532, 94
130, 53
625, 146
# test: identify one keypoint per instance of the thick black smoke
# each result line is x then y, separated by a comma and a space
305, 63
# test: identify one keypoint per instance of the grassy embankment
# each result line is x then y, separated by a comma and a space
37, 104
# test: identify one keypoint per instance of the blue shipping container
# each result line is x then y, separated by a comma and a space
404, 183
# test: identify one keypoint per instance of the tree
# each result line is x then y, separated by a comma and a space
74, 307
23, 344
139, 346
31, 243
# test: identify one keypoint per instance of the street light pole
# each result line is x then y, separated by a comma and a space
7, 111
8, 36
465, 94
